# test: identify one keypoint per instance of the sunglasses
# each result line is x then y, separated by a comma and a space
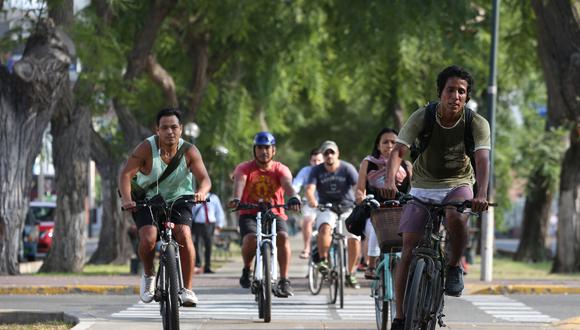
329, 152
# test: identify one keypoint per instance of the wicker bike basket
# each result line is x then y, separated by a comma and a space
386, 224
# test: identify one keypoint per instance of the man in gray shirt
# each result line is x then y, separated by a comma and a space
334, 180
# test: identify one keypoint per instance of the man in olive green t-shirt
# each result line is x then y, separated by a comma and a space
441, 173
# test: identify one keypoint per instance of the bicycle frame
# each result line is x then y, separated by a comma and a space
166, 234
265, 238
424, 294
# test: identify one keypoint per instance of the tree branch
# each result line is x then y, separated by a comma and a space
146, 37
162, 78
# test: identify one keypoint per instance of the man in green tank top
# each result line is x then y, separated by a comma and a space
147, 163
441, 173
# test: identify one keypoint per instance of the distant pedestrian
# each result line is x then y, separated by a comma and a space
207, 219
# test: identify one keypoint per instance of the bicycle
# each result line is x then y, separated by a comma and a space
265, 266
385, 218
169, 278
424, 303
314, 277
337, 257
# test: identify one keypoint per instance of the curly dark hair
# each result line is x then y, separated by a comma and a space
454, 71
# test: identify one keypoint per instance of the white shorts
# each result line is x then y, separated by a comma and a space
330, 218
308, 211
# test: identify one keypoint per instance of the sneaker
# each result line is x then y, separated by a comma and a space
454, 281
188, 298
352, 282
284, 288
361, 267
208, 271
370, 273
245, 281
322, 267
398, 324
147, 288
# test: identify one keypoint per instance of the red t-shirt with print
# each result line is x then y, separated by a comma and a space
263, 185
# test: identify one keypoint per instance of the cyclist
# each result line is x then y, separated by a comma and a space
264, 180
147, 163
308, 213
441, 173
334, 180
371, 180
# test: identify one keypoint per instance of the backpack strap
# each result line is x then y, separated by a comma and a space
468, 135
428, 124
172, 165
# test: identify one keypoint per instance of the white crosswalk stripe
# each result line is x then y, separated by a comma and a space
356, 307
507, 309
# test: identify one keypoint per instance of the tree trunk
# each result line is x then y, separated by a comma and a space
532, 245
70, 148
69, 128
27, 100
558, 47
568, 246
114, 245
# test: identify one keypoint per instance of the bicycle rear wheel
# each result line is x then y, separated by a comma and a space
169, 305
415, 297
266, 294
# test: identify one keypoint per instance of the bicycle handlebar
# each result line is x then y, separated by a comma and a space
405, 198
259, 206
158, 201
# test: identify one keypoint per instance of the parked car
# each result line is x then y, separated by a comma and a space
38, 230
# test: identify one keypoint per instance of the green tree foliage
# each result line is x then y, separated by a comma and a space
311, 71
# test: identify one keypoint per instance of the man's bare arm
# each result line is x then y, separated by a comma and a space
134, 164
393, 164
310, 189
482, 179
197, 167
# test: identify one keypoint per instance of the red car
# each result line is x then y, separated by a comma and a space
44, 214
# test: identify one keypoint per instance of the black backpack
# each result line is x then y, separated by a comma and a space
422, 140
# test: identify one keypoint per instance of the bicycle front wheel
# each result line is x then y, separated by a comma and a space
415, 297
332, 276
341, 267
266, 294
314, 278
381, 307
169, 304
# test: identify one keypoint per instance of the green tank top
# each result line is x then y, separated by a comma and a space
177, 184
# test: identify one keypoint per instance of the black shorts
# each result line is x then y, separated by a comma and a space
248, 225
180, 214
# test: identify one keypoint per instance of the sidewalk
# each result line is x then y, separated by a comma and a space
227, 276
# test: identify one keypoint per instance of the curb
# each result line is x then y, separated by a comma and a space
30, 317
523, 289
70, 289
573, 323
133, 289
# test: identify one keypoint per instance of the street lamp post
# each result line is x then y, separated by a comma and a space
222, 153
192, 131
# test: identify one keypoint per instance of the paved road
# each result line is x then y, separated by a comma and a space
220, 309
224, 305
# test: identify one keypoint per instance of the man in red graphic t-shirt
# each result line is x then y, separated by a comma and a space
264, 180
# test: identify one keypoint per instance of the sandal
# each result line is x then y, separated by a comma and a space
304, 255
370, 273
